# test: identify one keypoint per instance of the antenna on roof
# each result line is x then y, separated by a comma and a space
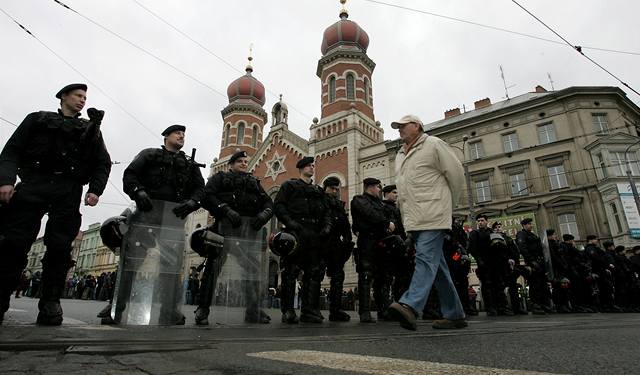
504, 82
551, 81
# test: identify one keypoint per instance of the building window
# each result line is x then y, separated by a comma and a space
254, 141
483, 191
518, 184
600, 123
601, 166
546, 133
557, 177
616, 216
227, 134
351, 87
366, 90
568, 225
240, 138
332, 89
476, 150
620, 163
510, 142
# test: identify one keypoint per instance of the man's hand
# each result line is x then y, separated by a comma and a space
6, 192
261, 219
232, 215
185, 208
91, 199
392, 227
143, 201
95, 115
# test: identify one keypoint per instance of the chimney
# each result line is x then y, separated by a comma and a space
482, 103
452, 112
540, 89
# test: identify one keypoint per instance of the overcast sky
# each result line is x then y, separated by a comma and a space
425, 64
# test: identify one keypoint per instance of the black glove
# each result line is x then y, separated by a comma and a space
143, 202
95, 115
185, 208
232, 215
261, 219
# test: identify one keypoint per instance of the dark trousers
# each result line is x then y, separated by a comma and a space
335, 258
373, 273
538, 288
58, 197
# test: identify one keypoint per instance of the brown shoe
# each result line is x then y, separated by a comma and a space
449, 324
403, 314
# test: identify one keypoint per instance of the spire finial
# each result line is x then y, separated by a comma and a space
343, 13
280, 97
249, 68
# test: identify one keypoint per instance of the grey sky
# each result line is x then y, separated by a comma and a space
425, 64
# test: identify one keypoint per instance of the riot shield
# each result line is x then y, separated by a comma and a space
241, 285
547, 257
148, 289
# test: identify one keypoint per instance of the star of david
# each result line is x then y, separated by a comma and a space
275, 166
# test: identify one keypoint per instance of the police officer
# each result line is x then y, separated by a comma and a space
302, 207
54, 154
165, 174
603, 266
339, 247
455, 251
530, 246
402, 264
371, 223
561, 274
230, 196
583, 291
513, 271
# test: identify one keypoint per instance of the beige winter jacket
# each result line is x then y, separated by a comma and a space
429, 179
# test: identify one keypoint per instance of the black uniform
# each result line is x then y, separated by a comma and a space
583, 289
514, 272
455, 251
401, 261
370, 222
303, 209
54, 156
530, 246
491, 258
562, 277
230, 196
601, 266
339, 248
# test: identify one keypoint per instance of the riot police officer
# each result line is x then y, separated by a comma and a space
371, 223
339, 247
302, 207
54, 154
230, 196
401, 260
583, 289
602, 265
561, 273
455, 251
530, 246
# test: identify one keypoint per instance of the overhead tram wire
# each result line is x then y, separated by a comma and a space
8, 122
577, 48
136, 46
67, 63
494, 27
184, 34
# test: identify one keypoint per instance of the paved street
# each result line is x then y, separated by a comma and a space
560, 344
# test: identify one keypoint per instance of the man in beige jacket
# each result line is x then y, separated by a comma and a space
429, 178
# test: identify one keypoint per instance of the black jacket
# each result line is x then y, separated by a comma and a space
530, 247
340, 226
164, 175
241, 191
47, 143
300, 204
396, 218
370, 216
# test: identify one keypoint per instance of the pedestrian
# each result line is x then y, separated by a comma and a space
54, 154
429, 178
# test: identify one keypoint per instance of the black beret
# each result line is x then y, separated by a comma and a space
526, 220
304, 162
567, 237
389, 188
551, 232
495, 224
238, 155
71, 87
331, 181
482, 216
371, 181
592, 237
172, 129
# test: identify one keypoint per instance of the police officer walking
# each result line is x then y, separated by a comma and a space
232, 195
371, 223
339, 248
302, 207
54, 154
530, 246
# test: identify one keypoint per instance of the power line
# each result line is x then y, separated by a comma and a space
577, 48
494, 27
67, 63
209, 51
7, 121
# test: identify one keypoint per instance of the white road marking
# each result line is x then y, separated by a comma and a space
381, 365
16, 310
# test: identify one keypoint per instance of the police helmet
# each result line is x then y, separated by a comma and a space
206, 243
283, 243
497, 239
111, 233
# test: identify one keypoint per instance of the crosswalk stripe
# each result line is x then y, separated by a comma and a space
381, 365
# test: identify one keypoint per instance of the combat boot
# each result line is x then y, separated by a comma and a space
50, 313
336, 314
252, 315
364, 289
105, 312
339, 316
202, 316
290, 317
310, 312
365, 317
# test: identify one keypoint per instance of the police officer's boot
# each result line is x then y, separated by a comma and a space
381, 296
336, 314
488, 300
54, 273
310, 312
4, 302
364, 298
205, 297
253, 313
287, 296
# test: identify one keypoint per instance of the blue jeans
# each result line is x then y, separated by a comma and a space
431, 269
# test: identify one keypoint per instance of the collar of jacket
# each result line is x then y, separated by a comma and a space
62, 114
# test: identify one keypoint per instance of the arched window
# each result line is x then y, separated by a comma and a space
366, 90
240, 138
351, 87
254, 142
227, 134
332, 89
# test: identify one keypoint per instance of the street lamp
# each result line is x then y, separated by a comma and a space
465, 165
632, 183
